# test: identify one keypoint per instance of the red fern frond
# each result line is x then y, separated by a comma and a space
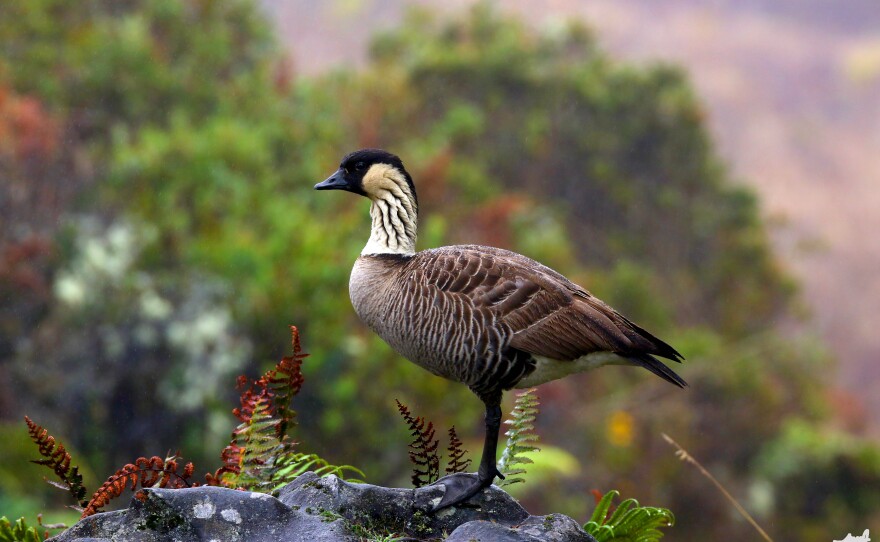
423, 448
57, 459
145, 473
456, 450
277, 386
286, 380
266, 417
231, 458
253, 399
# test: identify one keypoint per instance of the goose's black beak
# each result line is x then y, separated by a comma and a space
334, 182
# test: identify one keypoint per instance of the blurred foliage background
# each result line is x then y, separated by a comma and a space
158, 231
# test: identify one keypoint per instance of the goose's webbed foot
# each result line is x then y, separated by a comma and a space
462, 486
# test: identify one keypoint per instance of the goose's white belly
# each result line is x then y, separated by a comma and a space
547, 369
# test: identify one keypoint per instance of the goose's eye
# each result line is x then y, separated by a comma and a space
360, 166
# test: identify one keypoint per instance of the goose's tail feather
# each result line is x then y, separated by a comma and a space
657, 367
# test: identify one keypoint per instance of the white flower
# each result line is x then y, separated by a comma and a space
155, 307
69, 289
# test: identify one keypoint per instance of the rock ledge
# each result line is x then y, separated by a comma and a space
314, 509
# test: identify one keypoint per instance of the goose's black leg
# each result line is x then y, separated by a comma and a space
461, 487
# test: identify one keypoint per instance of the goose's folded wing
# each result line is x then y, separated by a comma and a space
544, 313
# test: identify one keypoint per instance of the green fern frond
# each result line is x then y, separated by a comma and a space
18, 532
520, 438
260, 448
629, 522
294, 464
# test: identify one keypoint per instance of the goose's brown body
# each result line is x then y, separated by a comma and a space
493, 319
489, 318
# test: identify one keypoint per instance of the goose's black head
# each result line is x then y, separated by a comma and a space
360, 171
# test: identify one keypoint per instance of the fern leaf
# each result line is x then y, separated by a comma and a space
226, 474
629, 522
457, 463
57, 459
285, 381
619, 516
520, 437
18, 532
259, 447
260, 456
152, 472
292, 465
249, 462
423, 449
603, 506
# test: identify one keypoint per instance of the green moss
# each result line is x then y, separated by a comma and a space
161, 520
328, 516
419, 523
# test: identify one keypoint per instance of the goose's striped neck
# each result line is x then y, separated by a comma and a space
394, 211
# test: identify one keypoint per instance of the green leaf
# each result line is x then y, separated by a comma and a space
19, 532
602, 507
520, 438
629, 522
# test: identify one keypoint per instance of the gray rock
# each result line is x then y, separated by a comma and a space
206, 514
486, 531
314, 509
551, 528
406, 511
555, 528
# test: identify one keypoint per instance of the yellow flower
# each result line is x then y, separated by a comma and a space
620, 428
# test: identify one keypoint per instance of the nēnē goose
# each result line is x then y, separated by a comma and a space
486, 317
